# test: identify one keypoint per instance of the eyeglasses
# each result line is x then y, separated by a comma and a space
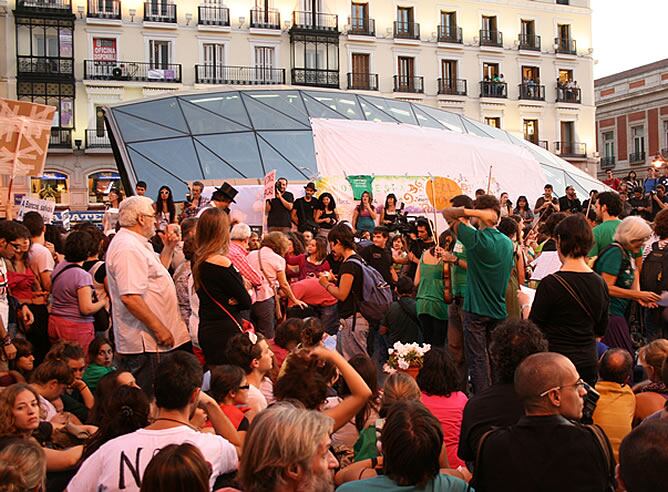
148, 215
244, 387
578, 384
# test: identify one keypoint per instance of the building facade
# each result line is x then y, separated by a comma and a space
522, 65
632, 119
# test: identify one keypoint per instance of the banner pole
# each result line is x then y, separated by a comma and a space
435, 228
489, 180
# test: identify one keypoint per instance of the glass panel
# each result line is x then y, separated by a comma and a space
374, 114
496, 133
450, 120
239, 149
321, 110
295, 146
154, 176
474, 130
287, 102
427, 121
228, 104
274, 160
204, 121
346, 104
266, 118
399, 109
213, 166
163, 111
175, 155
134, 129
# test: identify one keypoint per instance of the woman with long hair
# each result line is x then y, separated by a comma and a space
110, 217
631, 182
506, 205
389, 213
165, 210
364, 215
313, 261
523, 209
326, 216
176, 468
219, 286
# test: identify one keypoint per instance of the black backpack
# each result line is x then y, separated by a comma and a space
654, 273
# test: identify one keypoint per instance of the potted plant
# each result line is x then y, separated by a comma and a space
406, 357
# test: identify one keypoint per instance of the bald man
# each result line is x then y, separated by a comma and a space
547, 450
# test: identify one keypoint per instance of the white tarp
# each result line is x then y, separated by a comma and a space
344, 147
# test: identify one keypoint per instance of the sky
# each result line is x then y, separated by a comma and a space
628, 34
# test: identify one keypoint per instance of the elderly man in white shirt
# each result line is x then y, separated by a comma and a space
143, 297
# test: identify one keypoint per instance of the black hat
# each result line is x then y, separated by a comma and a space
225, 192
310, 186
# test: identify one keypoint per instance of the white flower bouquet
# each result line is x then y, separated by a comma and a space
406, 357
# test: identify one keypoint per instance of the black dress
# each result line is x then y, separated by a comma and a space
215, 326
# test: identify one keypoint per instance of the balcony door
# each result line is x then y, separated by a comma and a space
567, 137
159, 54
531, 131
608, 145
449, 22
449, 74
265, 63
489, 71
359, 18
404, 20
531, 74
638, 135
528, 29
406, 72
361, 69
213, 56
158, 8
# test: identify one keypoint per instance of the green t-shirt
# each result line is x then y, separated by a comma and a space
603, 235
441, 483
490, 261
618, 263
94, 373
459, 274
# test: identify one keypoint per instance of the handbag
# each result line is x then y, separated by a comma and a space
277, 300
245, 325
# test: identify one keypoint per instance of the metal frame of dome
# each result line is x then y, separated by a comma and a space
219, 135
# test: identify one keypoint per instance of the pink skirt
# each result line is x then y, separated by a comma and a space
71, 331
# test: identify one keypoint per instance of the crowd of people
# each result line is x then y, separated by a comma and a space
179, 350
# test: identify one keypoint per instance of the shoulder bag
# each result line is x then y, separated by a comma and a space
278, 312
245, 324
574, 295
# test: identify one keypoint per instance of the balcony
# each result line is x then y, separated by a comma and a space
532, 91
97, 139
61, 138
406, 30
360, 26
571, 95
265, 19
160, 12
543, 144
491, 38
607, 162
452, 87
314, 21
529, 42
104, 9
363, 81
225, 74
52, 67
565, 46
317, 77
404, 83
57, 7
450, 34
132, 71
637, 157
570, 149
213, 16
493, 89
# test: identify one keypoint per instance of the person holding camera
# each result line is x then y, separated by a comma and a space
279, 209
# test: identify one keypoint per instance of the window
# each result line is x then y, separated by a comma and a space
567, 133
264, 63
60, 95
528, 29
665, 134
488, 23
493, 121
100, 183
361, 78
404, 20
608, 144
104, 49
449, 21
99, 121
638, 136
531, 73
406, 73
565, 76
564, 32
53, 186
359, 18
449, 70
531, 131
490, 70
159, 54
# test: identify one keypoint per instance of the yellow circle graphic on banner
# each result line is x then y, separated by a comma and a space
441, 191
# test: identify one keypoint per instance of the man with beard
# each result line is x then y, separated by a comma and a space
146, 314
287, 450
279, 209
119, 464
570, 202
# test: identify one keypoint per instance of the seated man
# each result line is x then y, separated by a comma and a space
616, 406
119, 464
547, 449
400, 323
643, 458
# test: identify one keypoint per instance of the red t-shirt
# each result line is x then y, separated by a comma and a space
311, 292
308, 269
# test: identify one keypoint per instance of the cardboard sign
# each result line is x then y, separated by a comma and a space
270, 185
44, 207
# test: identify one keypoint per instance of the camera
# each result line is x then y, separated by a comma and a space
590, 401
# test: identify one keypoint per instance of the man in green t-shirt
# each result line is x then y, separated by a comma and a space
489, 261
608, 207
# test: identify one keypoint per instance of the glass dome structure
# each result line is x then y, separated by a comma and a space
239, 134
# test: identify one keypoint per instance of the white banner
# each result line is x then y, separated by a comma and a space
44, 207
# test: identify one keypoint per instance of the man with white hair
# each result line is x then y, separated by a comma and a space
237, 253
146, 315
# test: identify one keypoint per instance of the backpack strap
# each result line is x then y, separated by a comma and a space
71, 265
608, 455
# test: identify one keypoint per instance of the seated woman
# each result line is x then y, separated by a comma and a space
288, 336
651, 394
313, 261
78, 398
24, 361
100, 358
104, 394
22, 464
229, 387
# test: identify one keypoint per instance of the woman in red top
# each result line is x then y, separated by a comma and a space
229, 387
313, 262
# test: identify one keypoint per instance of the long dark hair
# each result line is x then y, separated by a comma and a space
360, 207
332, 202
367, 370
517, 204
171, 208
387, 200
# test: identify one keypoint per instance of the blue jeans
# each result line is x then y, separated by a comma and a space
477, 330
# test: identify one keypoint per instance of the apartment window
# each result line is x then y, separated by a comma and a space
159, 53
60, 95
265, 56
488, 23
638, 136
665, 134
531, 74
406, 73
608, 144
489, 71
311, 5
531, 131
565, 76
567, 133
99, 121
405, 20
449, 21
360, 77
449, 70
494, 121
564, 31
359, 18
528, 29
104, 49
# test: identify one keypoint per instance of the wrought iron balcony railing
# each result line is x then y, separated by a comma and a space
570, 149
362, 26
132, 71
406, 30
158, 11
318, 77
449, 34
566, 45
213, 16
532, 91
97, 138
529, 42
569, 94
363, 81
104, 9
491, 38
493, 89
315, 21
227, 74
265, 19
405, 83
453, 87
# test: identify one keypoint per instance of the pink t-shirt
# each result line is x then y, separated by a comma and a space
310, 270
448, 410
272, 264
312, 293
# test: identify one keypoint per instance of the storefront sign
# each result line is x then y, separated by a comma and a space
76, 216
44, 207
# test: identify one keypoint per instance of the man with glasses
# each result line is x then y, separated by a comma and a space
146, 315
548, 449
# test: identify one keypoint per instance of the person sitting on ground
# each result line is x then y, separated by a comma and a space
229, 387
288, 336
177, 395
498, 406
251, 352
287, 449
651, 394
101, 358
546, 441
616, 405
104, 394
401, 323
643, 458
438, 381
24, 361
177, 467
22, 465
50, 380
78, 398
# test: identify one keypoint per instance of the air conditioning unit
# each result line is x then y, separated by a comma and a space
117, 72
